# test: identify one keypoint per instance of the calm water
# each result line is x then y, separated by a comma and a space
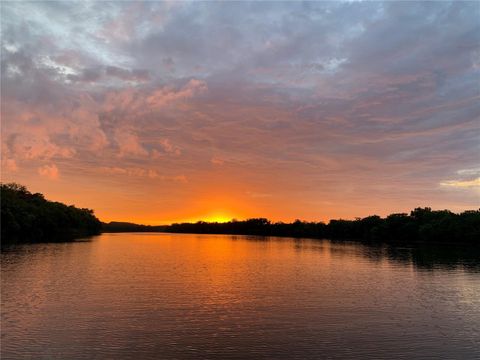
165, 296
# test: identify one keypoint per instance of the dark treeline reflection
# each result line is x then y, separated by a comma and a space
27, 217
430, 257
421, 225
424, 256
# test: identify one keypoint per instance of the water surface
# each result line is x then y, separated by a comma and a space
150, 296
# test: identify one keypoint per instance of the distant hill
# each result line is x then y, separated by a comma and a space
117, 226
27, 217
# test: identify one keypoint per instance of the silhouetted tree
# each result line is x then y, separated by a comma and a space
27, 217
422, 225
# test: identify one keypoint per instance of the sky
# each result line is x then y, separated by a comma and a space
160, 112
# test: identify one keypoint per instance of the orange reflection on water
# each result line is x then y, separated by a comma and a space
224, 295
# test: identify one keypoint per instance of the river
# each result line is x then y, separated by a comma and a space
185, 296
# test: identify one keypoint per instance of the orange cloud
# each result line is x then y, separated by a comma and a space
142, 101
10, 165
217, 161
128, 143
164, 96
49, 171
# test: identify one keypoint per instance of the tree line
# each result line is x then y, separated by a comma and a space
420, 225
27, 217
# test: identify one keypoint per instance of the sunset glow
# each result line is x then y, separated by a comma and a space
161, 112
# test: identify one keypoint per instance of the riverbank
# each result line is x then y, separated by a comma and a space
29, 217
422, 225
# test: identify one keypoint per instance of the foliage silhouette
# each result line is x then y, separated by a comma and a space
421, 225
27, 217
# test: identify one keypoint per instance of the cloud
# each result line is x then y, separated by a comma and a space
257, 195
87, 75
46, 131
142, 173
314, 101
217, 161
474, 171
142, 101
128, 75
165, 95
102, 74
469, 179
475, 183
10, 165
113, 170
49, 171
169, 148
37, 147
128, 143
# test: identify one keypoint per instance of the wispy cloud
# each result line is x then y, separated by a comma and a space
475, 183
49, 171
142, 173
